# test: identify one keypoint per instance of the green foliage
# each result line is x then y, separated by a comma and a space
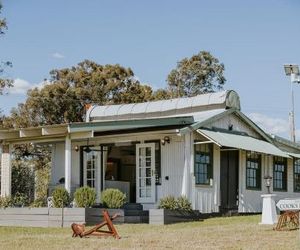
4, 82
40, 202
20, 200
113, 198
42, 173
22, 180
182, 203
63, 99
61, 197
5, 202
85, 197
170, 202
202, 73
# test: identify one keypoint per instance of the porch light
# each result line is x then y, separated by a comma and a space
76, 148
165, 140
268, 180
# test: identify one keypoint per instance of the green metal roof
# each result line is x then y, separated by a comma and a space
242, 142
130, 124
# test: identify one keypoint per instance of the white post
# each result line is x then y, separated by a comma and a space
269, 215
6, 171
68, 164
187, 162
292, 113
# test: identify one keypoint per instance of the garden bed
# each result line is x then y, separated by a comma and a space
53, 217
166, 216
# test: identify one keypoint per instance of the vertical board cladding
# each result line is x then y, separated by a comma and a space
236, 123
6, 170
172, 167
207, 197
58, 163
250, 200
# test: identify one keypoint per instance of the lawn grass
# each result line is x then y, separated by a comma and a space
240, 232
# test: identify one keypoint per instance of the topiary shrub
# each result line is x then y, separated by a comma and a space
113, 198
85, 197
183, 204
168, 202
61, 197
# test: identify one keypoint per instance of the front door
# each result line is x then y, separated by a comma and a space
145, 173
91, 168
229, 180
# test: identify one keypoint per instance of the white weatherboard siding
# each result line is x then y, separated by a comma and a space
172, 166
237, 125
207, 198
250, 200
6, 170
58, 162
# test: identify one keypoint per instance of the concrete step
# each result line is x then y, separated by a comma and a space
133, 206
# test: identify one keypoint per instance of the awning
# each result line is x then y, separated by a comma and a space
294, 155
242, 142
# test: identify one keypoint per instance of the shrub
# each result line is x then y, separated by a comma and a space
20, 200
5, 202
61, 197
182, 203
168, 202
113, 198
85, 197
22, 183
40, 202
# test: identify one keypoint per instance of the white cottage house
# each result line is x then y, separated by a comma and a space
202, 147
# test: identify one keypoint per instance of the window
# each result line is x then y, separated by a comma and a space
297, 175
253, 170
203, 163
279, 174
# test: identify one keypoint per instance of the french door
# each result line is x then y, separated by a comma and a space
91, 169
145, 173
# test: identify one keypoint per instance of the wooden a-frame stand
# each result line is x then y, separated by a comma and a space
79, 229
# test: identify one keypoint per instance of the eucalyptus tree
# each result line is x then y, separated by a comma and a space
201, 73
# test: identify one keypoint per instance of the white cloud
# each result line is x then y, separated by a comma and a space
269, 124
21, 86
57, 55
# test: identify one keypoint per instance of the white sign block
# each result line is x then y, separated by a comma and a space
288, 204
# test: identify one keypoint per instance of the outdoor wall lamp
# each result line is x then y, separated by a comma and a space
268, 180
76, 148
165, 140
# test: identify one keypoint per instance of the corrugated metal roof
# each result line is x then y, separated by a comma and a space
165, 108
242, 142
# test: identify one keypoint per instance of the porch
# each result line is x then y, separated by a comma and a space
136, 157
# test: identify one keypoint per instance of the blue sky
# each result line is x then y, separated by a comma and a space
252, 38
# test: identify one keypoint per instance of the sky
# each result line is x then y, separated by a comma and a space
252, 38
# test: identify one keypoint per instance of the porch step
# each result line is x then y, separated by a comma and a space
134, 213
133, 206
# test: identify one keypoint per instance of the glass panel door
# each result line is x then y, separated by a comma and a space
145, 173
91, 168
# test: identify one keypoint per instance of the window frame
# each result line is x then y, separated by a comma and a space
280, 161
294, 174
210, 170
258, 172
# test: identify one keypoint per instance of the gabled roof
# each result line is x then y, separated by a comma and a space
244, 118
172, 107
